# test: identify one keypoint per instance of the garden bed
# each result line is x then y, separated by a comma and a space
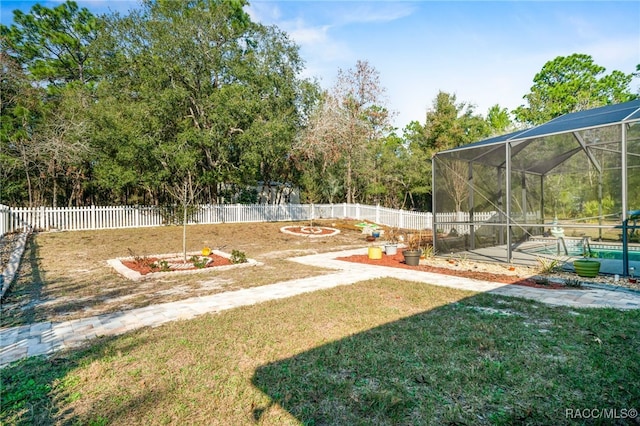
144, 267
472, 270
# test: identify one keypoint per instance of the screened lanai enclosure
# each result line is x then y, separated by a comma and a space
564, 189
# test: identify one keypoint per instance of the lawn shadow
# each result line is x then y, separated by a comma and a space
32, 296
482, 360
20, 300
38, 390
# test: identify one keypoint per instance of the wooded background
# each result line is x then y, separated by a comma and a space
191, 101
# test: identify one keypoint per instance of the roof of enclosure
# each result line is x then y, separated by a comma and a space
491, 151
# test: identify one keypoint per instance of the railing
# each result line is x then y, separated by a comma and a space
110, 217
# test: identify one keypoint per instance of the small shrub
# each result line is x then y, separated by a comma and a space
428, 251
238, 256
573, 282
164, 266
542, 280
547, 266
199, 262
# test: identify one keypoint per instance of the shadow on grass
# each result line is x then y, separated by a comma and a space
36, 390
29, 299
482, 360
19, 301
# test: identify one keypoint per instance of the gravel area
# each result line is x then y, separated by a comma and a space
523, 271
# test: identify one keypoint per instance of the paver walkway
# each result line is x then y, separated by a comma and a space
47, 337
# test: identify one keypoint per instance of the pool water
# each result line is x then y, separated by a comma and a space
614, 254
596, 252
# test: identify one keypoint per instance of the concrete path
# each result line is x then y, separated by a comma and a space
47, 337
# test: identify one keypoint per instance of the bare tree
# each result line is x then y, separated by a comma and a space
347, 120
455, 182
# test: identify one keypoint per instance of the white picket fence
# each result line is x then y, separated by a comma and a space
110, 217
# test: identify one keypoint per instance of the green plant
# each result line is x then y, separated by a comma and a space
547, 266
164, 266
462, 258
428, 251
199, 262
238, 256
573, 282
540, 279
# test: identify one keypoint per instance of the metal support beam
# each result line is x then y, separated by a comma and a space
625, 207
472, 233
542, 202
508, 185
587, 151
500, 196
434, 219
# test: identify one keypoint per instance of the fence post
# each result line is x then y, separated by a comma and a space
4, 213
377, 213
43, 219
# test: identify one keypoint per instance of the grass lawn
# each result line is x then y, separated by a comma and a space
379, 352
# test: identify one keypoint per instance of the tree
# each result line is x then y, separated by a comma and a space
498, 120
51, 48
52, 43
345, 124
569, 84
199, 77
415, 173
450, 124
21, 110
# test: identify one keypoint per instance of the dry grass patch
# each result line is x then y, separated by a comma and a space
64, 275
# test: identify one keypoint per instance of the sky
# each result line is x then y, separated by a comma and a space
483, 52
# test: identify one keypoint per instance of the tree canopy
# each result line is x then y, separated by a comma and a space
193, 100
569, 84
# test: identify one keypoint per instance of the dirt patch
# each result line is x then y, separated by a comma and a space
397, 261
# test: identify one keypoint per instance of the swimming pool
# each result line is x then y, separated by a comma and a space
600, 251
614, 254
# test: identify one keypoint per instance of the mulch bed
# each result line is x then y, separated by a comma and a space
310, 230
143, 265
397, 261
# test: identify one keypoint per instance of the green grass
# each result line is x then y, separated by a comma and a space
378, 352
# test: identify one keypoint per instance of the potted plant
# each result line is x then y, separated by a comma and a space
412, 252
391, 245
588, 268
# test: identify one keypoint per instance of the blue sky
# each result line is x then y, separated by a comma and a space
485, 53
